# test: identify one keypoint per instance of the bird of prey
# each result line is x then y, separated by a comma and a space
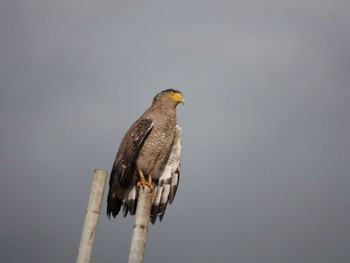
148, 155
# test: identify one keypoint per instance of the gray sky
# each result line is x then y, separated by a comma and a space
265, 163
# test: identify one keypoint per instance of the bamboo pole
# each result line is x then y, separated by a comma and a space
91, 216
139, 236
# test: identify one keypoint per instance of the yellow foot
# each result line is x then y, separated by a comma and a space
149, 185
145, 183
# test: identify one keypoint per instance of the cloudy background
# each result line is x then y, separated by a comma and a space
266, 150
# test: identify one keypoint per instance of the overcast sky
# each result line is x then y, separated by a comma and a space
266, 148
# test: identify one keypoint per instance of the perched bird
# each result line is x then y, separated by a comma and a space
148, 155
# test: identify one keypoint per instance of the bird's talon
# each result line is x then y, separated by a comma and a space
149, 185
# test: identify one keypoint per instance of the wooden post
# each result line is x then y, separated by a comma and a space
91, 216
139, 236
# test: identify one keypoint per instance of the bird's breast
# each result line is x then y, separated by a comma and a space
156, 148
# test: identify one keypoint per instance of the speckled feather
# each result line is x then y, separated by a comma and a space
146, 146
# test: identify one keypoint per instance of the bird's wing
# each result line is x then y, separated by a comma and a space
169, 179
129, 149
123, 166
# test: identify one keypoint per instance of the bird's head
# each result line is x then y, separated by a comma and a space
170, 96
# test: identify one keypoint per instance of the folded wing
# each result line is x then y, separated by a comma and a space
121, 189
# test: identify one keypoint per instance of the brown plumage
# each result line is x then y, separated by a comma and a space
149, 154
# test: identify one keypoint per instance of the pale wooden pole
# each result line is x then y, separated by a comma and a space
139, 235
91, 216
